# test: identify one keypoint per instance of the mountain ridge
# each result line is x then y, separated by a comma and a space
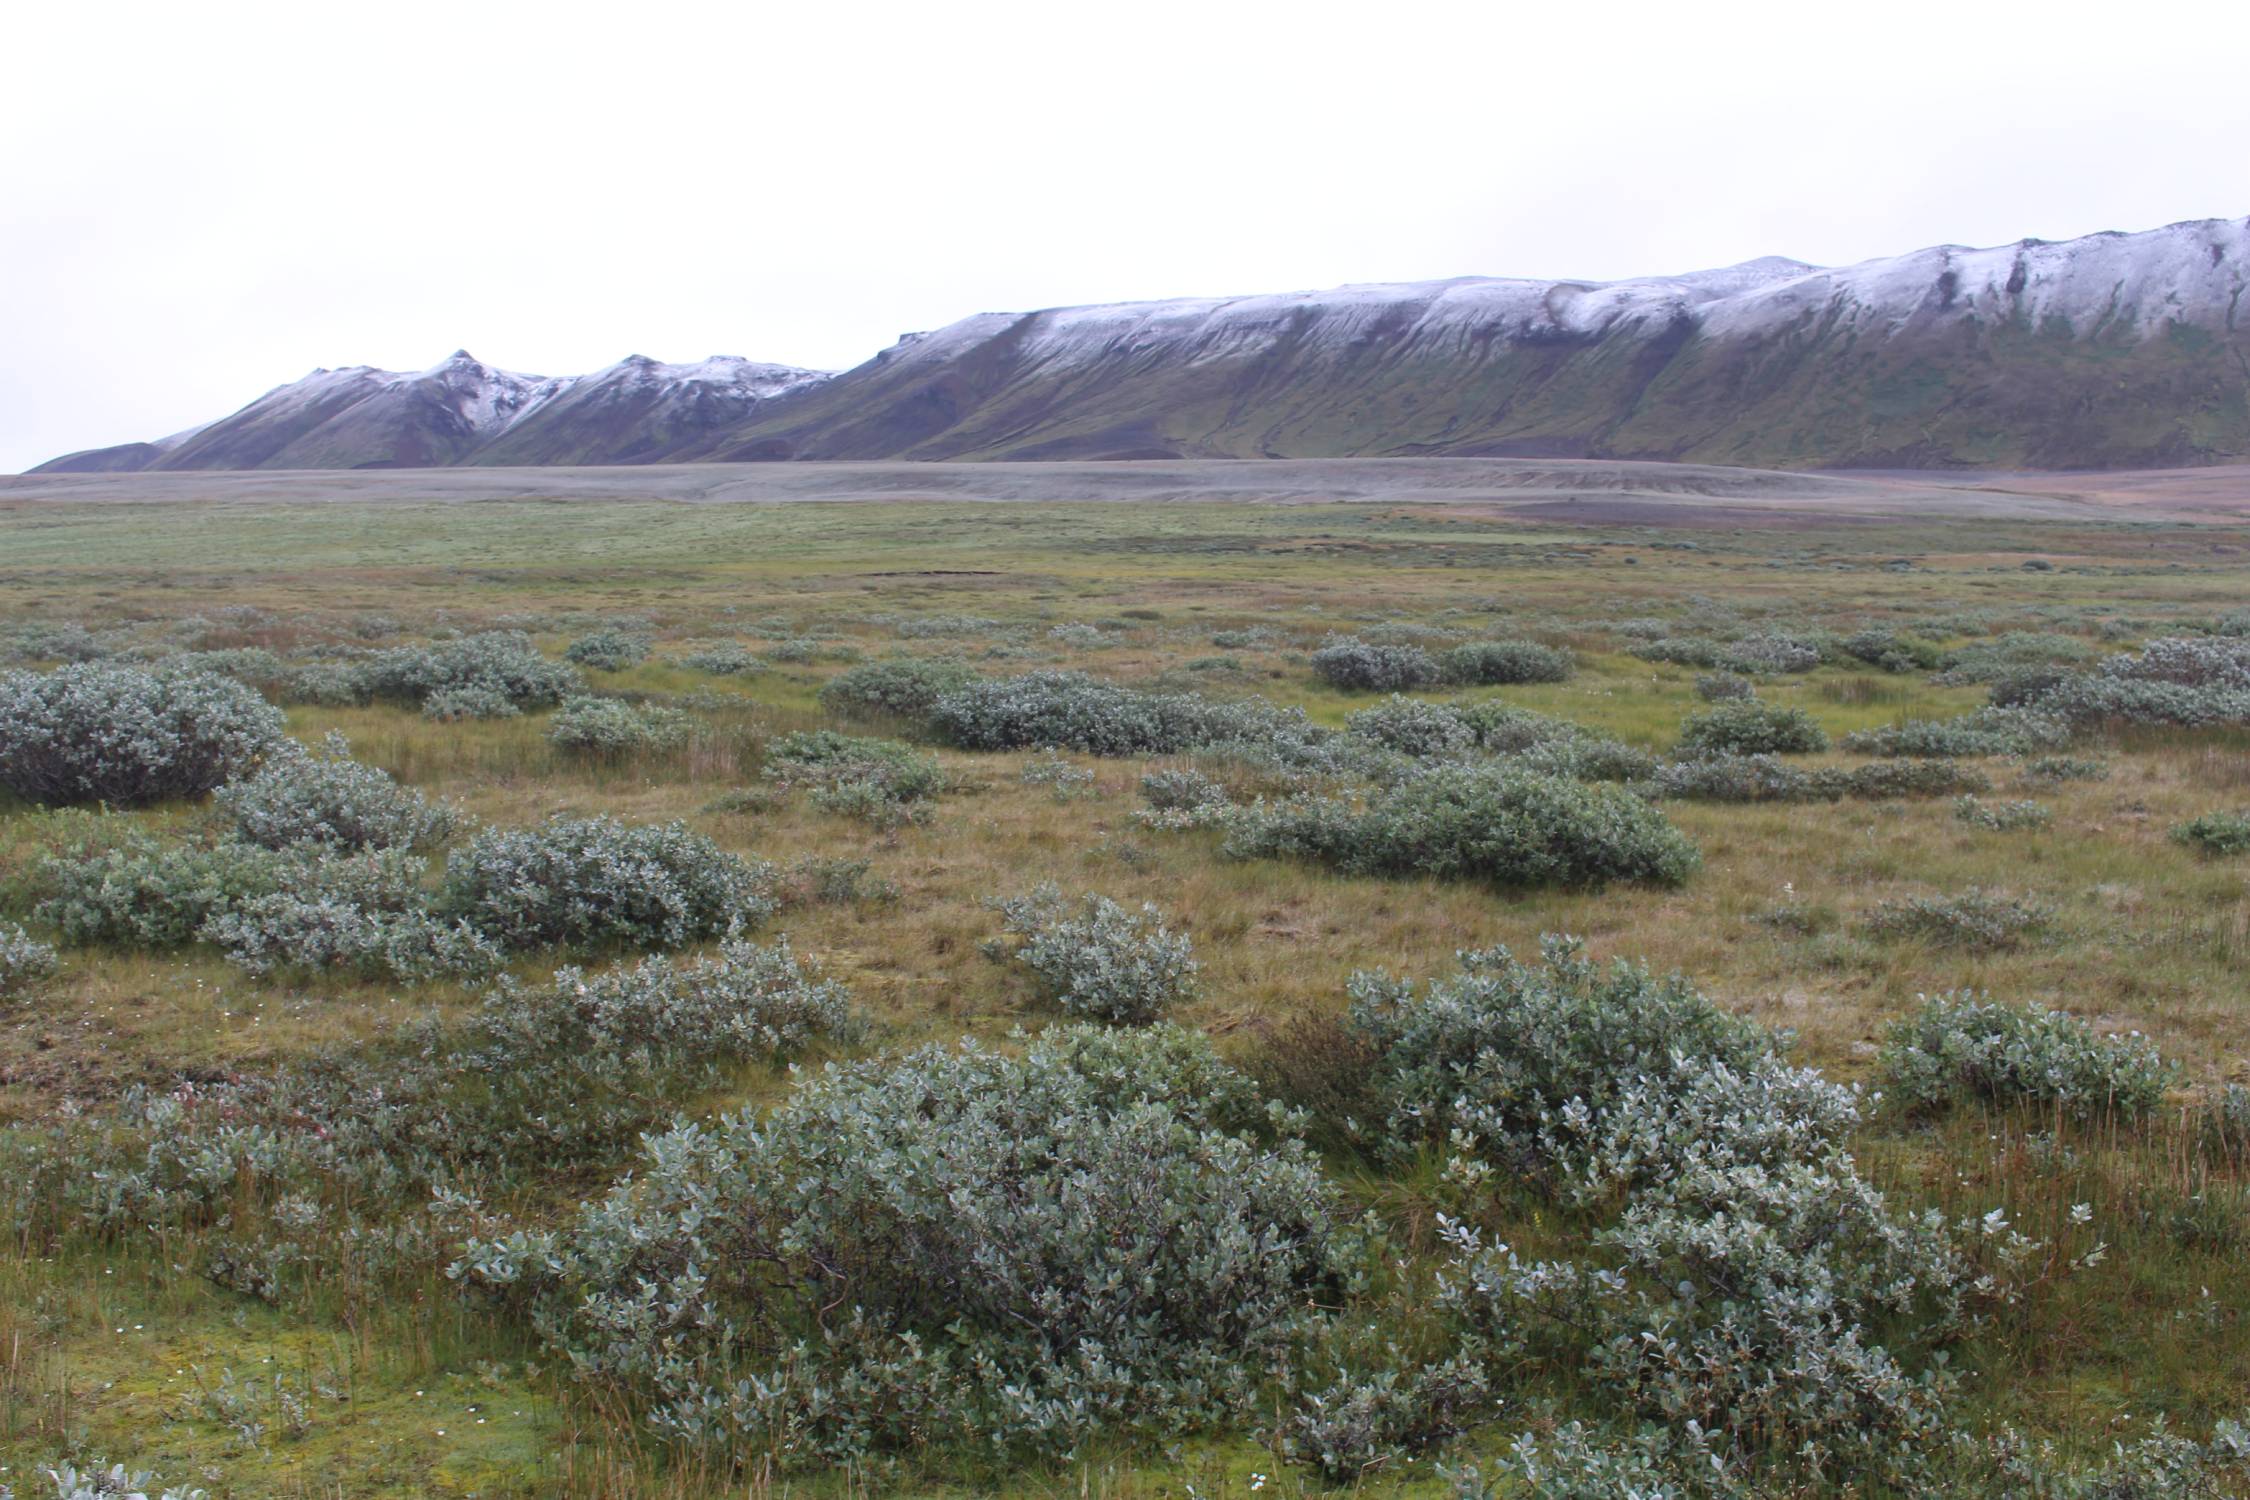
2112, 350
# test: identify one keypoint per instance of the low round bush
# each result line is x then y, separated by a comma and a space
905, 689
1071, 711
332, 800
318, 932
1744, 1262
1988, 731
723, 659
1748, 727
137, 892
1960, 1047
956, 1246
749, 1001
452, 705
1975, 918
1411, 726
1510, 827
1356, 666
1724, 687
1497, 663
1101, 960
1735, 778
2220, 834
1499, 1046
613, 727
2001, 817
495, 666
97, 733
607, 650
25, 962
595, 882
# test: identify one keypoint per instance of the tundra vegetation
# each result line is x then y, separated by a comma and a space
664, 1001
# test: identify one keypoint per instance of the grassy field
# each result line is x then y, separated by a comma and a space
115, 1346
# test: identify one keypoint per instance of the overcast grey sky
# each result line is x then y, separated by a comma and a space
203, 201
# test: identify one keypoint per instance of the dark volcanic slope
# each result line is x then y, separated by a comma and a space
2110, 351
463, 411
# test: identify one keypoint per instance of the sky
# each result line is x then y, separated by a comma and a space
199, 202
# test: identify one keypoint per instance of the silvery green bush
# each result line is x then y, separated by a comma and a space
1988, 731
1357, 666
1500, 1046
1962, 1046
1749, 727
2052, 768
332, 800
1097, 959
1071, 711
1887, 649
2010, 655
1064, 781
1934, 777
1015, 1252
2225, 1112
60, 641
1735, 778
1768, 778
1766, 655
824, 757
613, 727
1414, 727
1974, 918
933, 627
540, 1078
875, 780
723, 659
607, 650
306, 906
597, 882
317, 932
747, 1001
1419, 729
495, 666
452, 705
2219, 834
1078, 636
1574, 1462
1364, 1423
96, 733
1500, 824
2186, 681
907, 689
2001, 817
1679, 650
1724, 687
142, 893
25, 962
1493, 663
1743, 1261
114, 1483
1182, 798
2164, 1465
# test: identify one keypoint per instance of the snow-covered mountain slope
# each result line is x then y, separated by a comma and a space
462, 410
2115, 350
2111, 350
640, 411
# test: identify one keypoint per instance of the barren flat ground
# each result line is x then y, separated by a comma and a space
1574, 491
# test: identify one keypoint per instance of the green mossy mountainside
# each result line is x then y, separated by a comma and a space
2111, 351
